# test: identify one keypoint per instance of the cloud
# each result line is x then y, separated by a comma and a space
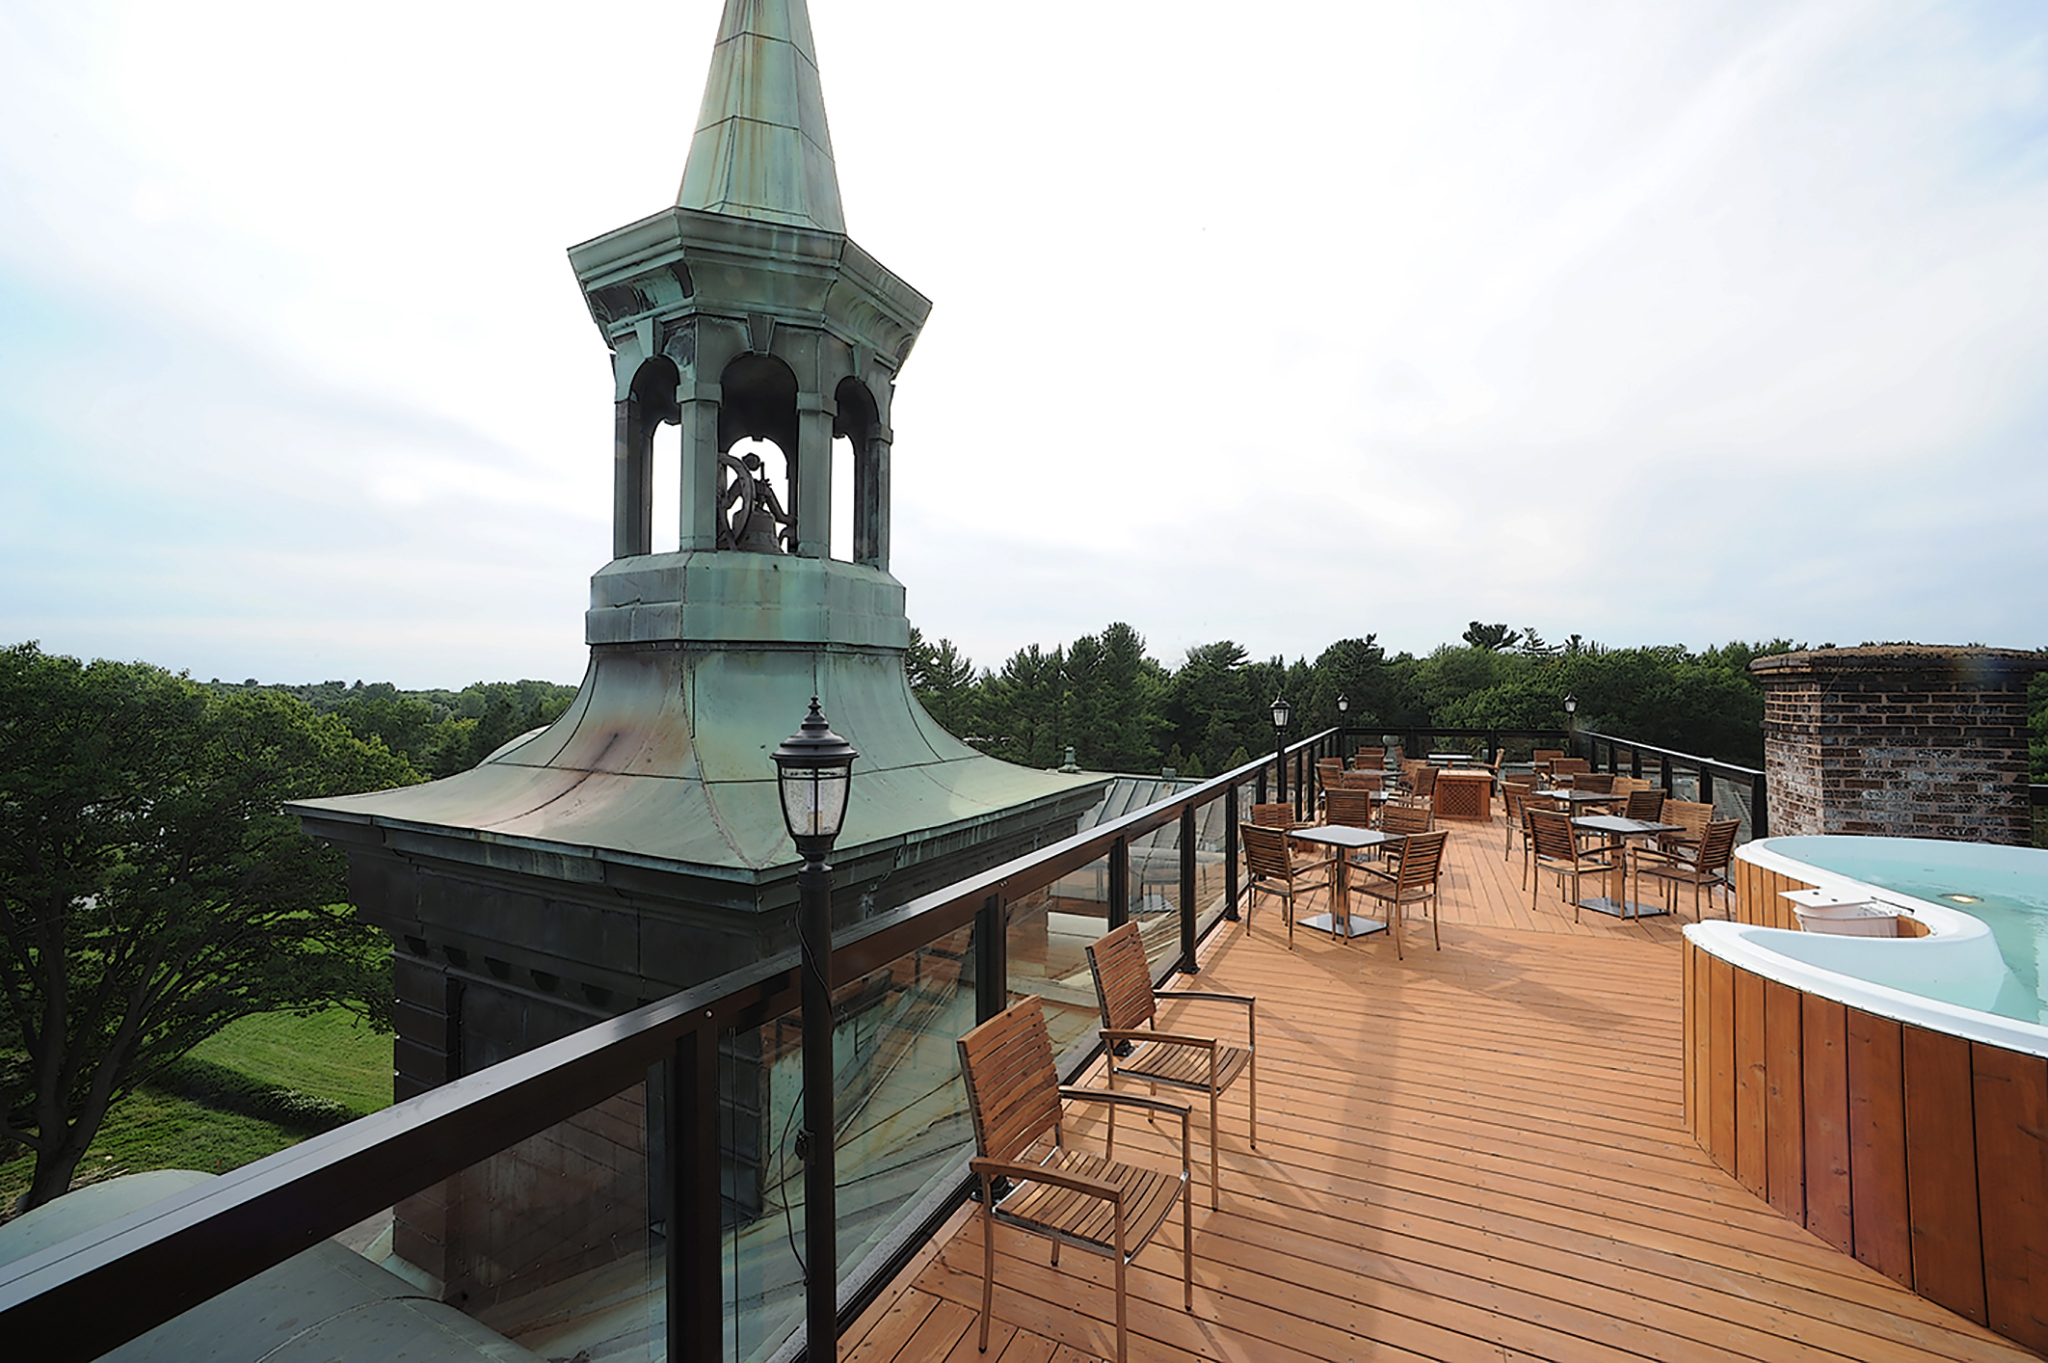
1673, 323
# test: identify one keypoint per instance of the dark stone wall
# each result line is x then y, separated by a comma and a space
1899, 741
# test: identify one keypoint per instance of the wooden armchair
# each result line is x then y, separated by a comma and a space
1569, 766
1032, 1180
1276, 815
1275, 870
1530, 803
1692, 817
1413, 883
1599, 782
1647, 805
1348, 806
1706, 865
1541, 758
1134, 1045
1557, 850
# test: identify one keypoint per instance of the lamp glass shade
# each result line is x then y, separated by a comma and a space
814, 771
1281, 711
1571, 705
1343, 705
814, 800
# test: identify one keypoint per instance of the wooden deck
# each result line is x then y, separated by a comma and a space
1477, 1154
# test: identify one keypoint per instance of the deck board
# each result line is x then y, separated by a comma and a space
1471, 1154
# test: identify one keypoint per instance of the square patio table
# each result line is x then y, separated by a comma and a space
1617, 904
1345, 839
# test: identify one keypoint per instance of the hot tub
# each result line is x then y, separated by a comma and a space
1890, 1094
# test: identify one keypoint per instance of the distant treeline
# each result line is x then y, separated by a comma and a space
437, 732
1122, 710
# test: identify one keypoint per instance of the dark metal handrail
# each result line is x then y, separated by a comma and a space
166, 1258
1669, 761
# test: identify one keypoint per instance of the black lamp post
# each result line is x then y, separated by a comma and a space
813, 770
1571, 723
1281, 710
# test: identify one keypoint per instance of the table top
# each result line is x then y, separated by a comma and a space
1580, 797
1453, 758
1614, 823
1464, 774
1343, 835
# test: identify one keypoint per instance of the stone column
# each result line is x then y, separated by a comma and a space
698, 516
632, 480
871, 502
1899, 741
812, 504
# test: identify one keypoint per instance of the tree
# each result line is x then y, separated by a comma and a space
152, 890
943, 681
1114, 698
1492, 638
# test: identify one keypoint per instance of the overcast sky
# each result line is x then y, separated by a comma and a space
1657, 323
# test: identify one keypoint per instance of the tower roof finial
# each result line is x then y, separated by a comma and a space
762, 149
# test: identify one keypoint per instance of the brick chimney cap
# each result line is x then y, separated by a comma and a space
1943, 658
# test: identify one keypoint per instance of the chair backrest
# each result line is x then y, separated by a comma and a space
1553, 834
1422, 860
1511, 798
1348, 806
1362, 780
1570, 764
1424, 782
1329, 763
1265, 851
1279, 815
1013, 1087
1499, 754
1717, 848
1691, 815
1599, 782
1528, 780
1645, 804
1404, 819
1543, 757
1123, 978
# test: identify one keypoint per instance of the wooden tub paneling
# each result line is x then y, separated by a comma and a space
1922, 1154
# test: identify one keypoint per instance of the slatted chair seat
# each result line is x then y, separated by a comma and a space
1422, 861
1032, 1181
1557, 850
1705, 865
1135, 1047
1274, 869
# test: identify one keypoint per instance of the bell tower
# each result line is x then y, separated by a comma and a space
745, 311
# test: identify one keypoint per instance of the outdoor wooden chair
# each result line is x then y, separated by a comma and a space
1275, 815
1692, 817
1403, 820
1362, 780
1599, 782
1707, 865
1541, 758
1558, 850
1569, 766
1647, 805
1276, 871
1348, 806
1522, 828
1512, 798
1134, 1046
1421, 865
1032, 1180
1421, 783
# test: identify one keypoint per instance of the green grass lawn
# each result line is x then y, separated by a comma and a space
330, 1055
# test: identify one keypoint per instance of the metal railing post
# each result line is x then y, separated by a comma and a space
1230, 821
1664, 763
1706, 785
991, 959
1759, 807
1119, 882
1187, 890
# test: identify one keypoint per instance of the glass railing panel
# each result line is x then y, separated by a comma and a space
1155, 891
1049, 933
1212, 838
554, 1243
900, 1123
